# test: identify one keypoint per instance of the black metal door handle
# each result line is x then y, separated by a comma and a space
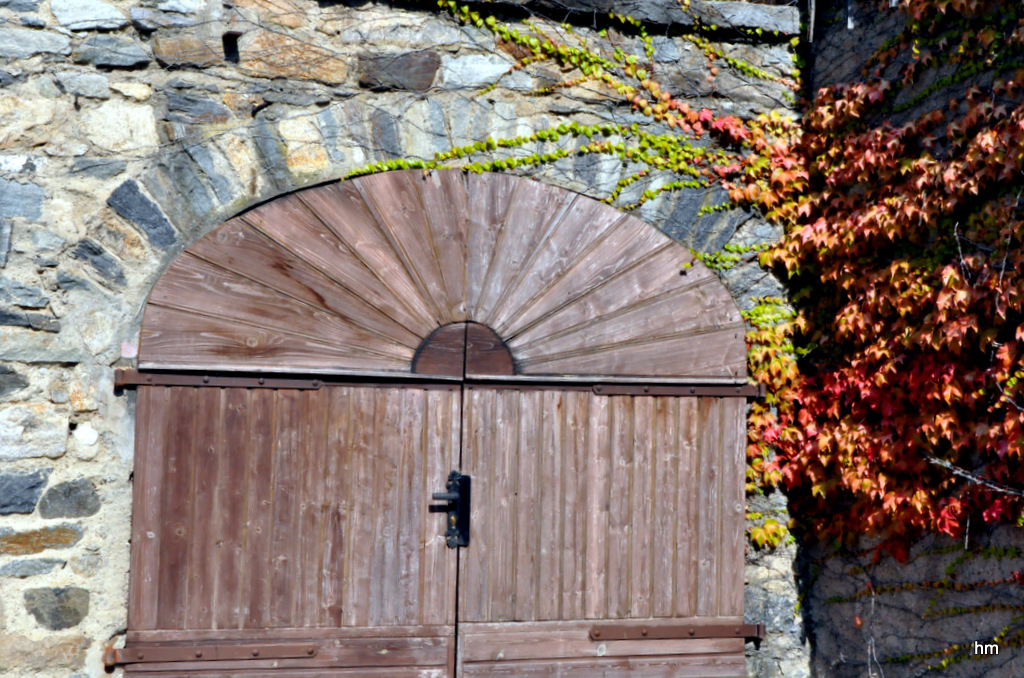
457, 506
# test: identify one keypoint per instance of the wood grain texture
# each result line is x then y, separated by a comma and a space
598, 507
286, 508
152, 410
354, 276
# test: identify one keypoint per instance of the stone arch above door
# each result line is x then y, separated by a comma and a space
353, 277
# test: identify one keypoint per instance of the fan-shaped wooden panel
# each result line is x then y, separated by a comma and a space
355, 276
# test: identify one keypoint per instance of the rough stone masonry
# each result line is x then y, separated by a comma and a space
130, 127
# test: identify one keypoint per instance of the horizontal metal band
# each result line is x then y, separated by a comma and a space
635, 631
126, 378
206, 652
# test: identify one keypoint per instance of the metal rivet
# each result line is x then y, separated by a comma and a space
597, 634
262, 380
316, 383
141, 656
693, 390
255, 653
690, 631
647, 389
199, 653
737, 631
311, 651
206, 380
643, 632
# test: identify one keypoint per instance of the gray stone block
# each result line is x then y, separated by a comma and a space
5, 241
87, 15
192, 108
21, 200
150, 19
21, 5
20, 490
21, 43
20, 294
21, 569
413, 71
71, 499
100, 168
10, 382
128, 201
57, 608
35, 321
385, 134
90, 85
5, 78
110, 51
90, 252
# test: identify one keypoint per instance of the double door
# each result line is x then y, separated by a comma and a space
284, 531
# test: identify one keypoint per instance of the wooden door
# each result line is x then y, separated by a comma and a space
591, 514
287, 530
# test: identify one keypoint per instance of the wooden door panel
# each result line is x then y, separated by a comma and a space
590, 507
596, 507
291, 511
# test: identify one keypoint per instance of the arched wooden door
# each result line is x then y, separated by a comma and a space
312, 371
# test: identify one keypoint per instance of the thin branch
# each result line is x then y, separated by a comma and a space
973, 477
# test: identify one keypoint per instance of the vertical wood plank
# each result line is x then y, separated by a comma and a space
413, 502
595, 604
620, 556
284, 539
234, 450
177, 493
206, 469
709, 536
577, 498
733, 454
688, 501
474, 570
337, 500
381, 542
436, 605
505, 426
642, 499
152, 410
666, 516
552, 480
527, 496
310, 471
258, 556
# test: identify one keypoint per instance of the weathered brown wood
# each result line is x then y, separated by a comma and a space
688, 506
642, 630
666, 480
490, 199
259, 475
279, 672
279, 634
229, 511
486, 353
731, 450
709, 514
443, 196
443, 353
731, 665
550, 510
205, 467
152, 409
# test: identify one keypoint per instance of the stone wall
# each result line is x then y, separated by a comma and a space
130, 127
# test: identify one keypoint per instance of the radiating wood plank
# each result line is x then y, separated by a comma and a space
394, 201
188, 339
733, 454
152, 409
206, 462
529, 221
490, 197
237, 247
666, 515
235, 453
176, 525
443, 196
571, 237
621, 249
641, 509
653, 294
259, 506
598, 472
620, 520
708, 522
191, 284
342, 209
289, 222
551, 510
684, 356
